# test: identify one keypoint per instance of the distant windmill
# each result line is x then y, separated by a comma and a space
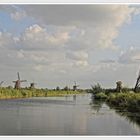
1, 83
32, 85
137, 86
18, 82
75, 86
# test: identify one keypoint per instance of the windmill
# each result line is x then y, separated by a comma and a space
32, 85
18, 82
75, 86
1, 83
119, 86
137, 86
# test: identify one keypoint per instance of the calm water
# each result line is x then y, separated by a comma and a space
62, 116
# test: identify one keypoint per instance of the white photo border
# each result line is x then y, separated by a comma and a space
70, 2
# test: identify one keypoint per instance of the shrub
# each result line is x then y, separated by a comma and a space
96, 89
57, 88
100, 95
127, 101
126, 90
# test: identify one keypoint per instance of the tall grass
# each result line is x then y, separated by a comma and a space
6, 93
125, 101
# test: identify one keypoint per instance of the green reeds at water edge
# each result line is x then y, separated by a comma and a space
125, 101
6, 93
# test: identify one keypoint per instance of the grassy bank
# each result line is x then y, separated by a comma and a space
125, 101
6, 93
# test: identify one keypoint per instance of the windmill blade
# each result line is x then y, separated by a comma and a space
1, 83
14, 81
18, 76
138, 75
23, 80
138, 85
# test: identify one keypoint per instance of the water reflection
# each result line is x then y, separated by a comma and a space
133, 118
129, 116
74, 98
96, 104
69, 115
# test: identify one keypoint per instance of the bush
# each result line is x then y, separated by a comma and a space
24, 94
126, 90
126, 101
96, 89
100, 95
109, 91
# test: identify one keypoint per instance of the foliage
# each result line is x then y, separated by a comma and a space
126, 101
100, 95
109, 91
8, 93
66, 88
57, 88
126, 90
96, 89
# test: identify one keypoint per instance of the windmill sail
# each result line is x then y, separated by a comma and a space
1, 83
18, 76
137, 86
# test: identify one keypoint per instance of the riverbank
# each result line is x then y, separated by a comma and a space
6, 93
125, 101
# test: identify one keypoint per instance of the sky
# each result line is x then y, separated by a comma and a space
55, 45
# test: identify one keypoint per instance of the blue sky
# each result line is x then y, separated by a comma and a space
56, 47
12, 26
129, 33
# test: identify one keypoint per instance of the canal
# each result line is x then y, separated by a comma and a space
63, 116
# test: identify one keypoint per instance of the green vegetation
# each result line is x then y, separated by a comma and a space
98, 92
51, 93
101, 95
9, 93
96, 89
126, 100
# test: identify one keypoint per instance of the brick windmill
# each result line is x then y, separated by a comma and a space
75, 86
18, 82
137, 86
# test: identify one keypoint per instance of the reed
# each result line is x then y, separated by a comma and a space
6, 93
125, 101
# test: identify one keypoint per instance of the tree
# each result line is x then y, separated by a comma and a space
66, 88
57, 88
